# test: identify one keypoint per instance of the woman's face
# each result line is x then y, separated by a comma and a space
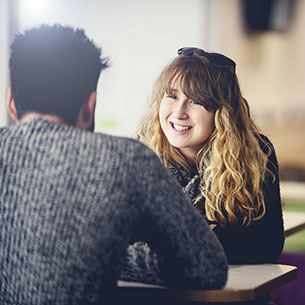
185, 123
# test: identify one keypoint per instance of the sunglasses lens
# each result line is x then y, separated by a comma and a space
186, 52
221, 60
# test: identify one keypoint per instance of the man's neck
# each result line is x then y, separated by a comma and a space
49, 117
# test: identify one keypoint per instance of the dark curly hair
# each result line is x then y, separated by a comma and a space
53, 70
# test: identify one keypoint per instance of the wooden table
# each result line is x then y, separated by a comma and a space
293, 222
245, 283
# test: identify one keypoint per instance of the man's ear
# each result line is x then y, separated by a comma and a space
86, 113
10, 103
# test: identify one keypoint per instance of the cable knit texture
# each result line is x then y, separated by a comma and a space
70, 203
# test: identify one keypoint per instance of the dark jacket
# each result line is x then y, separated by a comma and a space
262, 242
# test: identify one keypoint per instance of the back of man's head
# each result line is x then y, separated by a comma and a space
53, 70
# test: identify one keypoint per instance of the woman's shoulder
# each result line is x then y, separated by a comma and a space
268, 148
265, 143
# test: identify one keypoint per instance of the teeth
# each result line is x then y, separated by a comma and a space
180, 127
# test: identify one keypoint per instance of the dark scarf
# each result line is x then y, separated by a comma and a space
191, 184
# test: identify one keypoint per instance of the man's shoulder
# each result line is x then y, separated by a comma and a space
132, 156
72, 140
124, 144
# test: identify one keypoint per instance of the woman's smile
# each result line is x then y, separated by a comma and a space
178, 127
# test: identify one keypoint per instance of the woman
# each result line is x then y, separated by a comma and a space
200, 126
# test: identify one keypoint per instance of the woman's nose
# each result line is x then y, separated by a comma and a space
180, 110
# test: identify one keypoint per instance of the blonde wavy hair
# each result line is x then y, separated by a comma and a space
231, 162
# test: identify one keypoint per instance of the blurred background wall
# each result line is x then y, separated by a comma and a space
265, 38
271, 70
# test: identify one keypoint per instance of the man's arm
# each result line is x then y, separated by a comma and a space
183, 252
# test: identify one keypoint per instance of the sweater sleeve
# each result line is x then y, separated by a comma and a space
263, 241
183, 252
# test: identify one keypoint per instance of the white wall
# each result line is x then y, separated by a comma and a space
139, 36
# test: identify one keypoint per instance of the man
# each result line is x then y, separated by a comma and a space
72, 200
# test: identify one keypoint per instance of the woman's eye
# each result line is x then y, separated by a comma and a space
172, 96
195, 103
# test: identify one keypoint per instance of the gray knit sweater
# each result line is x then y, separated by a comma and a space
70, 203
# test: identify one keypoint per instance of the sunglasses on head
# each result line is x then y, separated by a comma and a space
216, 59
